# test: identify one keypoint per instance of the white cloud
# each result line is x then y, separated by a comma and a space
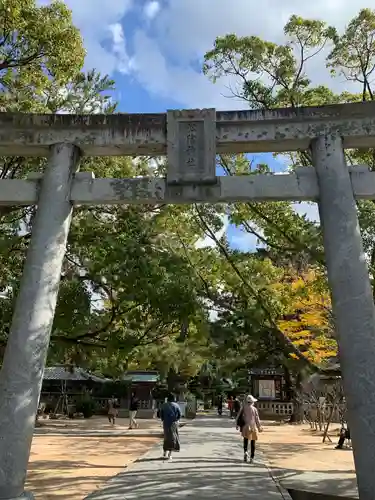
151, 9
186, 29
119, 48
94, 18
190, 88
166, 52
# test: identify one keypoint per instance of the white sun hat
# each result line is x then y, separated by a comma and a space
251, 399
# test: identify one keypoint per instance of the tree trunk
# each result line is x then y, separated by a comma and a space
298, 414
288, 384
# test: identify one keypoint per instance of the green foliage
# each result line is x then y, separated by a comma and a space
268, 75
122, 286
86, 406
272, 75
136, 290
39, 44
255, 62
353, 54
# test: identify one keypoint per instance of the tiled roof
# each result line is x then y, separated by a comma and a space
73, 374
150, 377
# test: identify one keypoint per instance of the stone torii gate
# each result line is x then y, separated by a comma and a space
191, 140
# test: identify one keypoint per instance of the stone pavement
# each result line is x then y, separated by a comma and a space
209, 466
331, 484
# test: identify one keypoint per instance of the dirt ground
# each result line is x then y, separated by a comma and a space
67, 461
297, 447
94, 424
70, 459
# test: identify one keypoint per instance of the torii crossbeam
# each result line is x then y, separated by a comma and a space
190, 139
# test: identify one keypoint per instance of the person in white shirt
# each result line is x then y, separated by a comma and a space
249, 424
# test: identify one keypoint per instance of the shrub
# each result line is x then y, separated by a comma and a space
86, 406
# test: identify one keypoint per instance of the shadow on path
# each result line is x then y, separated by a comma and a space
209, 467
335, 482
198, 481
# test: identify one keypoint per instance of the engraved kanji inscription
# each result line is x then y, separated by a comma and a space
191, 146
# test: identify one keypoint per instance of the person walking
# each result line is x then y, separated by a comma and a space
170, 415
133, 410
230, 406
112, 410
236, 407
249, 423
220, 405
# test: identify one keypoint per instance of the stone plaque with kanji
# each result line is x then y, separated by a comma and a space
191, 136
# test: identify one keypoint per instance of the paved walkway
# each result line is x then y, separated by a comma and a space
210, 466
335, 484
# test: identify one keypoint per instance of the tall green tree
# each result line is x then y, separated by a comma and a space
38, 46
122, 286
268, 75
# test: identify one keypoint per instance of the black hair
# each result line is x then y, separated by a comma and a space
171, 398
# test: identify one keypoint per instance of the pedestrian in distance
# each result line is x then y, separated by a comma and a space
248, 423
220, 405
236, 407
170, 415
230, 406
112, 410
133, 410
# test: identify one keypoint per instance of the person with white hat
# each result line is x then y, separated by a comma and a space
249, 423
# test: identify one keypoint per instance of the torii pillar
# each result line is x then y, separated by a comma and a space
25, 356
352, 301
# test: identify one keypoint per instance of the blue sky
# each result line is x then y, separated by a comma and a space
154, 50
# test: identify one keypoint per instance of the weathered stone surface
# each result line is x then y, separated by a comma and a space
352, 301
86, 190
246, 131
191, 137
95, 135
25, 355
146, 134
226, 189
18, 192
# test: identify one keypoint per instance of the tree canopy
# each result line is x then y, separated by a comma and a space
137, 291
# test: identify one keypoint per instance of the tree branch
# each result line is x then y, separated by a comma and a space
278, 333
